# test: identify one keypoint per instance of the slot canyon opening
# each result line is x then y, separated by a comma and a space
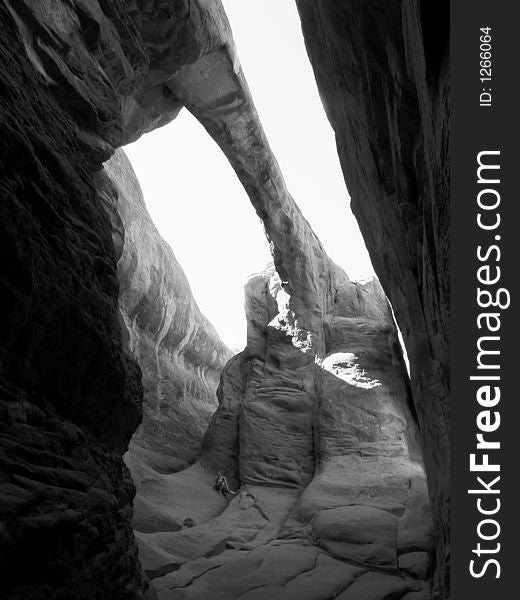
195, 198
313, 426
202, 211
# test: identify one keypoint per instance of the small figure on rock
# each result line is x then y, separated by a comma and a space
189, 522
222, 487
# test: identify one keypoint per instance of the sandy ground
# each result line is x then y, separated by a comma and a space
195, 545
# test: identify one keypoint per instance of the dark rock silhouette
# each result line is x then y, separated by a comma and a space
70, 395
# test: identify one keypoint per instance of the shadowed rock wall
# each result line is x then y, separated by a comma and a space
383, 74
69, 394
78, 79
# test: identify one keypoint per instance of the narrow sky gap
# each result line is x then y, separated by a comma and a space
195, 198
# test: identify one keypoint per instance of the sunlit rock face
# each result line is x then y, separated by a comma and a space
322, 446
382, 73
177, 348
292, 411
328, 415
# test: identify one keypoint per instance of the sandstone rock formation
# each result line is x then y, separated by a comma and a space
301, 308
383, 74
176, 347
318, 403
293, 408
70, 396
82, 78
109, 63
78, 79
324, 450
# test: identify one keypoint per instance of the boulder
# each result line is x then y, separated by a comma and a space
359, 534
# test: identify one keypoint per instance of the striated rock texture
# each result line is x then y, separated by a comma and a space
177, 348
323, 449
108, 63
69, 394
297, 407
383, 74
179, 352
77, 80
315, 407
334, 425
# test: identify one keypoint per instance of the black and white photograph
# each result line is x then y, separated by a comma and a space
257, 325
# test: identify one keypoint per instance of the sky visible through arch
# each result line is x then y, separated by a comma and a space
195, 198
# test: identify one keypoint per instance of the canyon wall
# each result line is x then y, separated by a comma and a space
70, 395
80, 79
383, 74
318, 405
316, 431
178, 350
335, 424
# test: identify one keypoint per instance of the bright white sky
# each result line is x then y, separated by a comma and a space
195, 198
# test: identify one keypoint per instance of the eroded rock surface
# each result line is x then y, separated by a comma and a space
108, 63
177, 348
383, 73
78, 79
69, 395
312, 418
320, 349
323, 451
